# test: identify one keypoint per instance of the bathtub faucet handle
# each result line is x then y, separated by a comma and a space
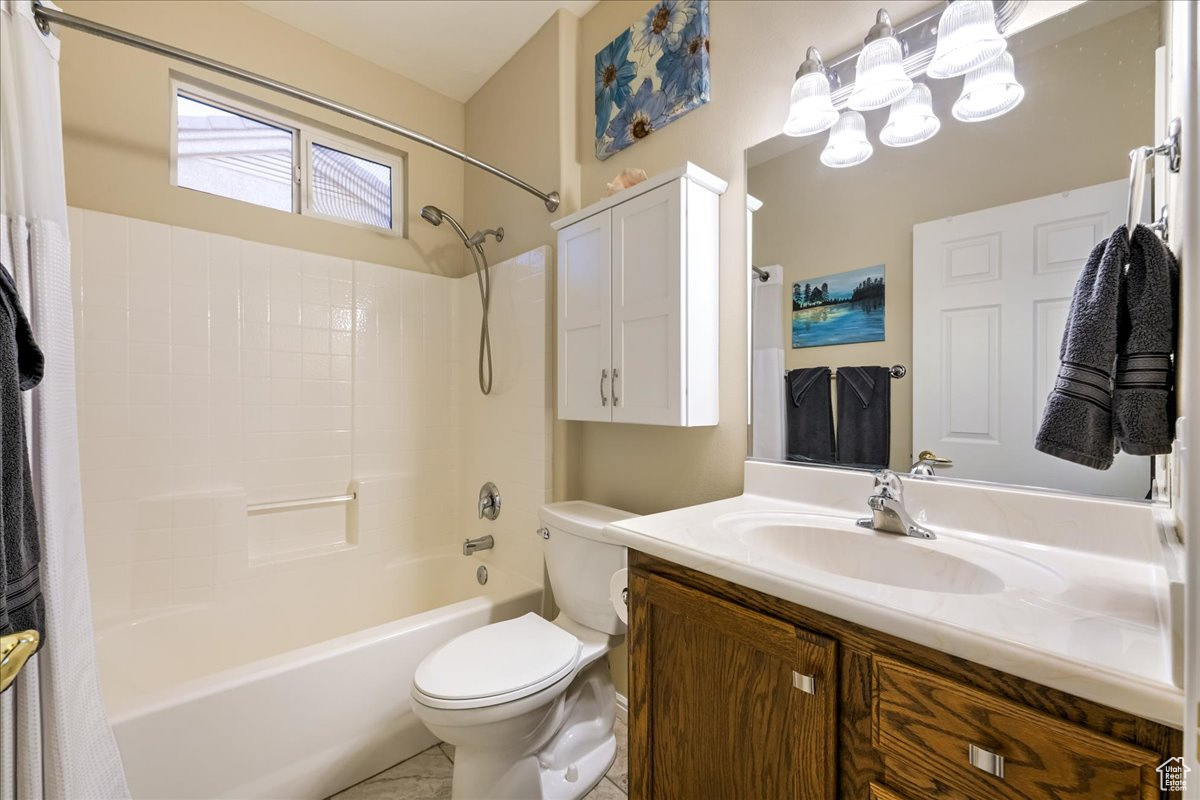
489, 501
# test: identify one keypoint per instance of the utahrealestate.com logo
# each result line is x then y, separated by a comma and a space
1172, 775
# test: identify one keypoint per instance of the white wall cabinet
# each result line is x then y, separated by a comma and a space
638, 303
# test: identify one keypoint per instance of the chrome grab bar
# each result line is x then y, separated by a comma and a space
312, 502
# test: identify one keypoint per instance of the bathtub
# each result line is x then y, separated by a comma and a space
296, 692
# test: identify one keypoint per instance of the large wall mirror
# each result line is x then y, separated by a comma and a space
954, 260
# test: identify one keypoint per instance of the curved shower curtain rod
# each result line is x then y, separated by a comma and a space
45, 16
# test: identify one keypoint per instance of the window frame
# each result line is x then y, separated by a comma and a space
305, 133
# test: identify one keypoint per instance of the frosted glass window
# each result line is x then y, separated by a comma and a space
231, 155
351, 188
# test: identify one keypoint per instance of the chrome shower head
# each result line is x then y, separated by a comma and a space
435, 216
432, 215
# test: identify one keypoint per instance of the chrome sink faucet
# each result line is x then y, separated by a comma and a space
888, 513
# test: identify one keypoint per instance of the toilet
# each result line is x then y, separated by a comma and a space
529, 704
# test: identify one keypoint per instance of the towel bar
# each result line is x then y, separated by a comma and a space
15, 650
312, 502
897, 371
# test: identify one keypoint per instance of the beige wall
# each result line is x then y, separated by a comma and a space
756, 48
523, 120
116, 117
816, 221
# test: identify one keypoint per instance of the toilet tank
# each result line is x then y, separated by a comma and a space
581, 561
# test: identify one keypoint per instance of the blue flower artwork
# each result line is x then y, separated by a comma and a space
653, 73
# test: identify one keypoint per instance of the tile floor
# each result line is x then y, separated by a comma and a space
427, 776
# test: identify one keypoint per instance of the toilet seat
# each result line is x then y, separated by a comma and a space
496, 664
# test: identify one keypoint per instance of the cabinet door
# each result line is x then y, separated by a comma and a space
725, 702
647, 318
584, 320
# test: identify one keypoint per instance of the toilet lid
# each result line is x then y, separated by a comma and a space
517, 658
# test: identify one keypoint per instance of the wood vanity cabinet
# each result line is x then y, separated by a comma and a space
736, 694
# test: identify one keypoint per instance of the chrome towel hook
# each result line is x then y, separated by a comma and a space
1171, 149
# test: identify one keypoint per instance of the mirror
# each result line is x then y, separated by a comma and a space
954, 259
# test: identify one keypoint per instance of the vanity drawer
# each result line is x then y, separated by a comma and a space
939, 735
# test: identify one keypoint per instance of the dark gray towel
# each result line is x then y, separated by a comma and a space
864, 418
20, 370
809, 415
1077, 423
1143, 393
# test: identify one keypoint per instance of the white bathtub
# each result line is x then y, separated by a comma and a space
294, 693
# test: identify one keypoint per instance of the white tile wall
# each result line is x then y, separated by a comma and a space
216, 373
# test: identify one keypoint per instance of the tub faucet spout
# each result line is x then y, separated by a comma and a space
470, 546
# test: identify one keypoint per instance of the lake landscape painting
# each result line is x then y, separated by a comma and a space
839, 309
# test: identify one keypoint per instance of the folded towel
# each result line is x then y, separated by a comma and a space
864, 421
1077, 422
809, 415
20, 370
1143, 393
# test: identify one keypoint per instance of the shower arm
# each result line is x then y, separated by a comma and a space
46, 15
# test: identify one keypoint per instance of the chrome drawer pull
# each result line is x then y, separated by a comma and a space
805, 683
986, 760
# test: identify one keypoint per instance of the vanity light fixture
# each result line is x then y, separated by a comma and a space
879, 78
967, 39
848, 145
811, 110
989, 91
911, 120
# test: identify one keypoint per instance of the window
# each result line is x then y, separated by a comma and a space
228, 148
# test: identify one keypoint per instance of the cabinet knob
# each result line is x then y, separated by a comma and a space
603, 396
986, 760
614, 387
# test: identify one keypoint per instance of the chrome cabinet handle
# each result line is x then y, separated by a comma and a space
805, 683
603, 396
986, 760
614, 387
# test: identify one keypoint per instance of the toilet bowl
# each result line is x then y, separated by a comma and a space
529, 704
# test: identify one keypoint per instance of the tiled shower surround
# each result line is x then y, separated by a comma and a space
217, 373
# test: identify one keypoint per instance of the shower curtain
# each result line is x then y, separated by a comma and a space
766, 365
55, 739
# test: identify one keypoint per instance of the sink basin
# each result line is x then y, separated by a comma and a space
833, 545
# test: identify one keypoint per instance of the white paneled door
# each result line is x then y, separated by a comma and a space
991, 290
647, 278
585, 320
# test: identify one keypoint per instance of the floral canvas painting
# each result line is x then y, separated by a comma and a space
839, 309
652, 74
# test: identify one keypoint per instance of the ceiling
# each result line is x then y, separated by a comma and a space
451, 46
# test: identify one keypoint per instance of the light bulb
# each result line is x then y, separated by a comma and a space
966, 39
989, 91
911, 120
848, 145
879, 78
811, 109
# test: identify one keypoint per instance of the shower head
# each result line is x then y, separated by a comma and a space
434, 216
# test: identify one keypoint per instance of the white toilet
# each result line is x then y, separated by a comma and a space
529, 704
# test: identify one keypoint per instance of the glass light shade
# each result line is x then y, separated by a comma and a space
811, 109
966, 39
879, 78
911, 120
848, 145
989, 91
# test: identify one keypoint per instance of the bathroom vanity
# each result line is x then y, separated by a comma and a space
777, 649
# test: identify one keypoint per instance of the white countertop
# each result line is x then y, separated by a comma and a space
1086, 618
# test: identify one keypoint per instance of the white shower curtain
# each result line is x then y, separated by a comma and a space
766, 365
55, 739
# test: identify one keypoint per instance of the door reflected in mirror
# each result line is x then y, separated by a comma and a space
956, 258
